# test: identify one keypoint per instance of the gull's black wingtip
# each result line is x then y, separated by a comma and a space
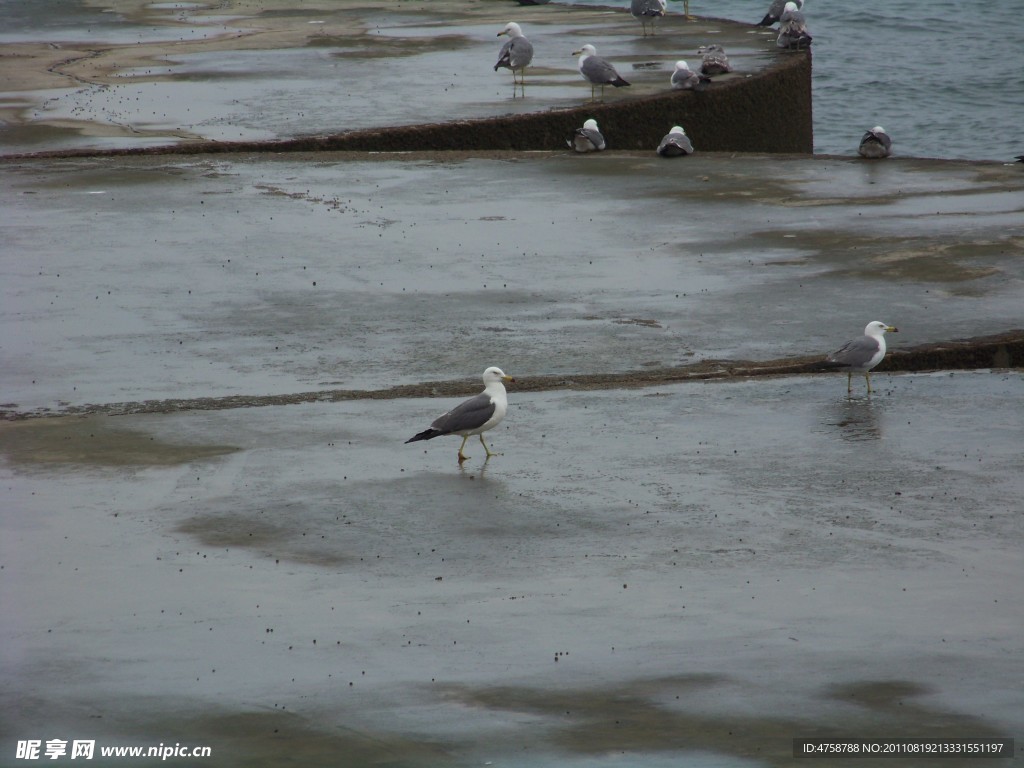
427, 434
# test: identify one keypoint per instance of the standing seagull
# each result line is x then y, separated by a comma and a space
647, 9
516, 53
793, 28
683, 78
588, 138
474, 416
862, 354
596, 70
675, 143
775, 12
875, 144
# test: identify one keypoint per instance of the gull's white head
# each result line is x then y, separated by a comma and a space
678, 129
877, 328
493, 375
791, 7
878, 129
586, 50
512, 30
680, 65
591, 124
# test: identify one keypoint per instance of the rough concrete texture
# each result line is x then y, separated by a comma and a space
245, 278
685, 574
692, 548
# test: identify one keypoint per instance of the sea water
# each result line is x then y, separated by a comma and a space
944, 78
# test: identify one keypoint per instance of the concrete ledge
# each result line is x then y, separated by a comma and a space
1004, 350
767, 112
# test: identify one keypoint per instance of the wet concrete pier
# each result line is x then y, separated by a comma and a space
694, 545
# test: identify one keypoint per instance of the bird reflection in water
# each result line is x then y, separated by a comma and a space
857, 419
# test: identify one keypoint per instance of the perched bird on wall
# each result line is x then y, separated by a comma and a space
875, 144
587, 139
862, 354
515, 54
596, 70
645, 10
676, 143
775, 12
793, 28
474, 416
684, 78
714, 61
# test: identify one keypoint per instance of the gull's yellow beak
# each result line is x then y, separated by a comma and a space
892, 329
506, 377
577, 53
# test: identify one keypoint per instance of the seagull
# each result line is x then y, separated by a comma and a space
596, 70
683, 78
516, 53
474, 416
715, 62
587, 139
862, 354
647, 9
793, 28
875, 144
675, 143
775, 12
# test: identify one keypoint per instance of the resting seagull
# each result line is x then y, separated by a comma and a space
474, 416
875, 144
647, 9
675, 143
516, 53
596, 70
683, 78
862, 354
793, 28
775, 12
714, 61
588, 138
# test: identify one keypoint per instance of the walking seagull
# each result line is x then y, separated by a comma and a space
862, 354
596, 70
516, 53
474, 416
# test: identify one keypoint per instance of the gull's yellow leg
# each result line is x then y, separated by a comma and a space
489, 454
462, 457
867, 378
